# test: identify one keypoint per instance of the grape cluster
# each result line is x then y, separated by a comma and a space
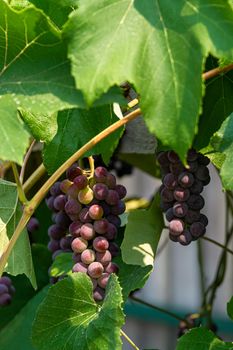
181, 200
6, 291
86, 216
189, 322
120, 167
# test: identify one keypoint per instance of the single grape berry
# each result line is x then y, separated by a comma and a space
180, 209
95, 269
167, 195
103, 280
100, 244
186, 179
86, 195
33, 225
181, 194
100, 191
197, 229
95, 212
81, 182
73, 172
79, 244
176, 227
88, 256
87, 231
80, 267
104, 258
170, 181
59, 202
101, 226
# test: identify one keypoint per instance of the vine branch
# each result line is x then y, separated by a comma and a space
21, 192
36, 175
129, 340
216, 71
218, 244
22, 172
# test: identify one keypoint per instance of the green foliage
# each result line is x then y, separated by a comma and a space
201, 339
142, 235
222, 141
69, 317
17, 334
230, 308
159, 47
62, 265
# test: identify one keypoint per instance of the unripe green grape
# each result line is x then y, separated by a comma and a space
85, 196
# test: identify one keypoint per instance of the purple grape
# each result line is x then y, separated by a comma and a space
3, 289
181, 194
84, 216
180, 209
203, 160
192, 216
33, 225
114, 249
74, 228
86, 195
111, 181
196, 202
49, 202
167, 195
176, 168
192, 167
59, 202
113, 219
55, 189
176, 227
163, 159
169, 181
65, 185
5, 280
166, 205
87, 231
106, 208
197, 187
119, 208
169, 214
111, 232
100, 174
206, 181
112, 268
80, 267
73, 191
173, 237
65, 242
53, 245
185, 238
202, 173
100, 244
112, 197
72, 207
192, 155
73, 172
197, 229
103, 280
95, 212
94, 282
56, 232
121, 190
76, 257
53, 280
81, 182
95, 269
100, 191
185, 179
203, 219
98, 294
88, 256
173, 157
104, 258
101, 226
79, 244
5, 299
62, 219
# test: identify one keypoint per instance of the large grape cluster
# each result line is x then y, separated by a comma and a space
6, 291
181, 200
86, 221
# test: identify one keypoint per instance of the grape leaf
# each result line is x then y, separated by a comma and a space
20, 327
9, 197
57, 10
20, 259
201, 339
222, 141
62, 265
142, 235
230, 308
132, 277
217, 105
69, 317
34, 69
159, 47
80, 126
15, 137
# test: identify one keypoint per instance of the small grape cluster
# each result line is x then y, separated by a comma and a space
86, 216
6, 291
33, 224
180, 194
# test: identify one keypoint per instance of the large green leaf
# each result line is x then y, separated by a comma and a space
222, 141
9, 198
20, 260
75, 128
202, 339
69, 318
217, 105
142, 235
160, 47
34, 69
57, 10
62, 265
17, 334
15, 138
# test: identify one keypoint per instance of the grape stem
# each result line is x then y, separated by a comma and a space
218, 244
91, 165
29, 151
30, 207
21, 193
129, 340
216, 71
36, 175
